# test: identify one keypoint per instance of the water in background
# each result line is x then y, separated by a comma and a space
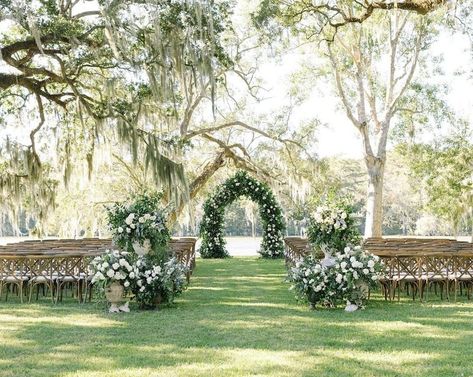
241, 246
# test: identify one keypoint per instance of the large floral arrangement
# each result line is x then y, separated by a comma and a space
355, 271
139, 227
139, 220
332, 225
211, 227
113, 266
168, 279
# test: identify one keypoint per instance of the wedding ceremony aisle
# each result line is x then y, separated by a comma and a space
238, 318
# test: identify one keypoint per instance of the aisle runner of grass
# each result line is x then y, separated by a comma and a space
237, 319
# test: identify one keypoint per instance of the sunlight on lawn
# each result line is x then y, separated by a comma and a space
247, 325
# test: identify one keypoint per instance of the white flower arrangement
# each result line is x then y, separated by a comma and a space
112, 266
332, 225
353, 273
150, 280
330, 218
139, 221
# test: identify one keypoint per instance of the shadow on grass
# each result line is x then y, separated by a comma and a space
238, 318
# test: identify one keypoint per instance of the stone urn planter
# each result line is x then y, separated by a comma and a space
142, 249
114, 295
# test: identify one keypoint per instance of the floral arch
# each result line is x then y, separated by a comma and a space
241, 184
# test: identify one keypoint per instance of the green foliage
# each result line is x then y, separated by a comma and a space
353, 273
332, 225
138, 219
157, 278
110, 73
152, 282
211, 228
444, 172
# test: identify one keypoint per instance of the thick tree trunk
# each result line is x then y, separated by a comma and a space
374, 200
198, 183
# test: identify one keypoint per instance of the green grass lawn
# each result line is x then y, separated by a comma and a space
237, 319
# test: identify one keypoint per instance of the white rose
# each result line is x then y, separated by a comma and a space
374, 277
149, 280
115, 266
339, 278
152, 218
128, 220
139, 283
132, 226
120, 229
132, 275
355, 275
123, 262
371, 263
110, 273
343, 265
128, 230
105, 264
366, 271
142, 289
126, 284
141, 220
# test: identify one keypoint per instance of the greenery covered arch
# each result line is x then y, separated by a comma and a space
211, 229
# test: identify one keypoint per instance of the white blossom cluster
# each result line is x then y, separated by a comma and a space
167, 280
314, 281
147, 275
330, 218
135, 223
112, 266
141, 277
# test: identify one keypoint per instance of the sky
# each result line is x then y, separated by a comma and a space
337, 137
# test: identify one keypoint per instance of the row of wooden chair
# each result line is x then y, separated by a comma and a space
55, 264
296, 248
184, 250
51, 272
